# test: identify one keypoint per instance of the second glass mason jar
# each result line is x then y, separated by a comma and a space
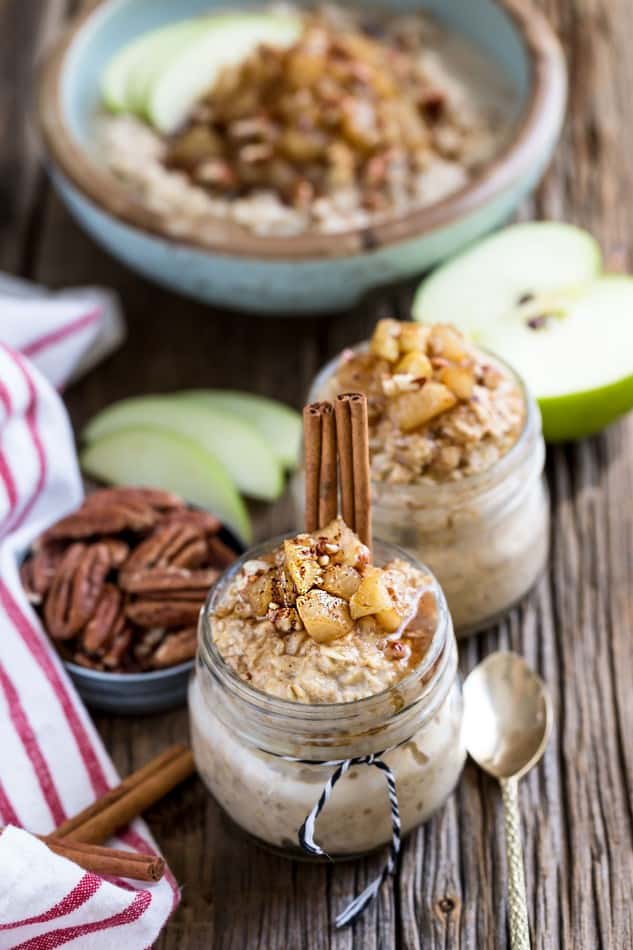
246, 743
484, 536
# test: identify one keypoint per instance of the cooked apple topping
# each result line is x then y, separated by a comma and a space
439, 408
315, 621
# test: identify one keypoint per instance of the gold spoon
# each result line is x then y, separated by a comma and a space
507, 722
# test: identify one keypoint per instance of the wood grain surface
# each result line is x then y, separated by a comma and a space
577, 808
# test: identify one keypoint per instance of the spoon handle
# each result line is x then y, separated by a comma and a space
519, 927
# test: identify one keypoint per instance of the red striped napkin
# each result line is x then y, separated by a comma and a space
52, 762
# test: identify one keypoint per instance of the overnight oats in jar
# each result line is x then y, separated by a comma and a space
457, 460
311, 655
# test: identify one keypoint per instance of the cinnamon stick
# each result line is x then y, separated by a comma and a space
115, 863
346, 467
312, 453
328, 482
120, 805
362, 473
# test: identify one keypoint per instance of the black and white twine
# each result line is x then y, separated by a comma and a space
307, 830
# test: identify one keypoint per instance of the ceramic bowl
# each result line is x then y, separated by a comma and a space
312, 272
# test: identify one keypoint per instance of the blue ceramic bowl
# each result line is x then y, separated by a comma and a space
312, 272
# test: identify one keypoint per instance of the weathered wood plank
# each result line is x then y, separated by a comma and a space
576, 627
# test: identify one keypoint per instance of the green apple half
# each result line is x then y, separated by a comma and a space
236, 444
142, 455
535, 295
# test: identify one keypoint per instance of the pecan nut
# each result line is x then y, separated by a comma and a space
149, 612
206, 523
171, 582
121, 641
101, 628
177, 647
219, 553
104, 518
177, 545
76, 589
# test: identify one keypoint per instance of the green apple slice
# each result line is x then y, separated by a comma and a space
134, 58
490, 281
228, 40
159, 458
578, 361
234, 442
278, 424
161, 47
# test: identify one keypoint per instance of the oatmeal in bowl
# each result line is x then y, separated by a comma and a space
456, 462
342, 118
312, 652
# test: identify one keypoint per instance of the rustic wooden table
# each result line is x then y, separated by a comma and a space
575, 628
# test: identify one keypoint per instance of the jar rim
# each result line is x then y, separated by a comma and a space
210, 655
467, 483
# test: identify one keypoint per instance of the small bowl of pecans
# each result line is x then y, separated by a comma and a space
118, 585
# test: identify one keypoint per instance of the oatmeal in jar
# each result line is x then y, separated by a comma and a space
311, 652
456, 460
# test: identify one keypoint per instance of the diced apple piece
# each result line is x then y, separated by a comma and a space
384, 342
413, 338
411, 410
325, 617
283, 589
389, 619
351, 550
447, 342
260, 593
160, 458
372, 595
459, 379
415, 364
340, 580
301, 564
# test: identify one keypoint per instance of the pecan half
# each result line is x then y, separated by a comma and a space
101, 628
120, 644
104, 518
171, 581
219, 553
76, 589
178, 545
42, 566
177, 647
149, 612
205, 522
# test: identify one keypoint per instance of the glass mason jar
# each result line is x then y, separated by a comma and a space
246, 743
485, 536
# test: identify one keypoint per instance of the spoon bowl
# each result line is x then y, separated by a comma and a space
508, 715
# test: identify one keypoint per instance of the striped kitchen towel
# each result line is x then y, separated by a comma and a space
52, 762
